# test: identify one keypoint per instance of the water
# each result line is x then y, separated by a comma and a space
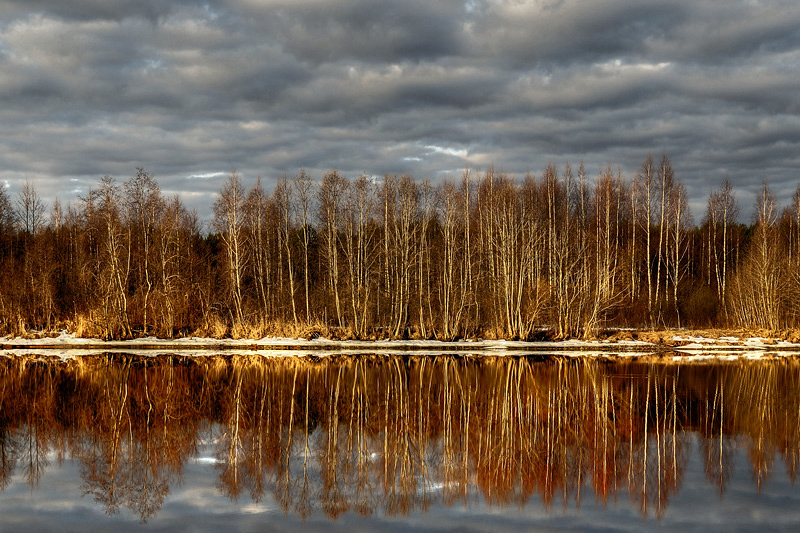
393, 443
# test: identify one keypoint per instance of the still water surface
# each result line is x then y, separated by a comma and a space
392, 443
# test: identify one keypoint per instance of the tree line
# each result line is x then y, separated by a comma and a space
561, 254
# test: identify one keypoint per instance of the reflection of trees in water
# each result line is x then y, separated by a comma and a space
136, 449
393, 433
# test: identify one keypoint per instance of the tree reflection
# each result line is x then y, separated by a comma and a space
391, 434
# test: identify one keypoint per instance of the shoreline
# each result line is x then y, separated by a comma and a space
674, 344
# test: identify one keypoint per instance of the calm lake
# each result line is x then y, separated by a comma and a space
397, 442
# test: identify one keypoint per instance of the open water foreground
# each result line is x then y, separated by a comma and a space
394, 442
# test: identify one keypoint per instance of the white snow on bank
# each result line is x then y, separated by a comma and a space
66, 345
749, 348
320, 342
70, 353
62, 338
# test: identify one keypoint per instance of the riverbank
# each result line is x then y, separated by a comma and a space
622, 343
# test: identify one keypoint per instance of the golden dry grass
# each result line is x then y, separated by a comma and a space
667, 336
217, 327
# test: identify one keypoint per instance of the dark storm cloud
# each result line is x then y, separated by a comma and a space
365, 30
192, 90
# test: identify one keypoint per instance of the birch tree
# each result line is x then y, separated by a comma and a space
680, 221
285, 207
229, 219
646, 182
758, 296
303, 190
360, 250
720, 217
331, 196
144, 208
260, 222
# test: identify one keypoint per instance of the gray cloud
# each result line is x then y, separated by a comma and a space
188, 88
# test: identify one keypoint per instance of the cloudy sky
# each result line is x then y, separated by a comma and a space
190, 90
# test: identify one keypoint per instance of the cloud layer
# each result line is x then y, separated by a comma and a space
191, 90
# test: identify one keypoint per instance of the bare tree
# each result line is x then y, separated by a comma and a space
258, 209
792, 219
633, 255
331, 195
564, 258
602, 291
400, 199
646, 181
30, 209
7, 214
144, 206
303, 186
455, 257
680, 221
229, 222
56, 215
360, 249
284, 205
111, 266
720, 217
175, 283
424, 297
509, 237
758, 295
667, 178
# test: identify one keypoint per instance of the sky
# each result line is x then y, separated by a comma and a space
192, 90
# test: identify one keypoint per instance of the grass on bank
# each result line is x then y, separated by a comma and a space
216, 327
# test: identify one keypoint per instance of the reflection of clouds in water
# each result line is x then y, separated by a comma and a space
197, 505
206, 460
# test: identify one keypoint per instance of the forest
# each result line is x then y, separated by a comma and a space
560, 254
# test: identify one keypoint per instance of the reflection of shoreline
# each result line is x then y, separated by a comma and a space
388, 435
